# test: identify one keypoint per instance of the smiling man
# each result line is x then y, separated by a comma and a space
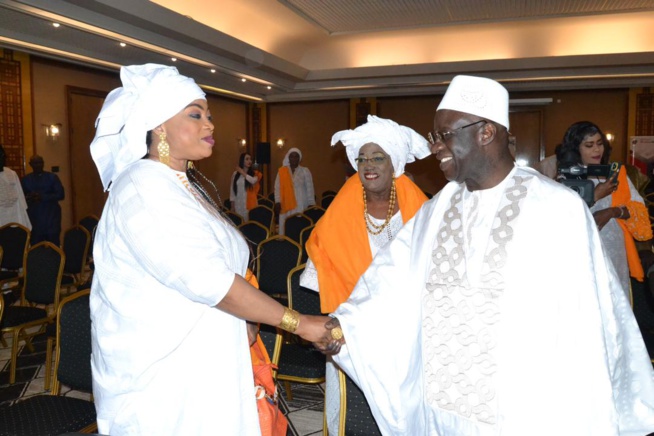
455, 329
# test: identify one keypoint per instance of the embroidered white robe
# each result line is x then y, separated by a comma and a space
461, 327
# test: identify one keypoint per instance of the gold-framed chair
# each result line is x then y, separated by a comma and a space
326, 201
304, 237
234, 217
314, 212
294, 225
276, 257
14, 240
263, 215
254, 234
55, 414
76, 243
44, 267
265, 201
298, 361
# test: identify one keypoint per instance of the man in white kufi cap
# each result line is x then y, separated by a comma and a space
495, 310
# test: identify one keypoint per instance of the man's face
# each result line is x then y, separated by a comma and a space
458, 153
37, 164
294, 159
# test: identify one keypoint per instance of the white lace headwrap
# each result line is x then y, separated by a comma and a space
286, 163
401, 143
150, 95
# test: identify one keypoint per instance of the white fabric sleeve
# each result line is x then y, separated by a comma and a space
311, 196
277, 194
232, 194
251, 179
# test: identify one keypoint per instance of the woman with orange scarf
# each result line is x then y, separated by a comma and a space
365, 215
619, 210
293, 187
244, 187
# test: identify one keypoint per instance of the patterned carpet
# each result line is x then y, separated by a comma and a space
305, 412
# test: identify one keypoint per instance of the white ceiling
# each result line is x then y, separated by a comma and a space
317, 49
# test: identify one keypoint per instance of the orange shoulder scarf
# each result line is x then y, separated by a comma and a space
339, 246
251, 200
286, 189
636, 227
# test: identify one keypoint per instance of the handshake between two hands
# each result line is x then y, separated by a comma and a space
323, 331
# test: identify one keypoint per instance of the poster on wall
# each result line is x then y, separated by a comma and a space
641, 152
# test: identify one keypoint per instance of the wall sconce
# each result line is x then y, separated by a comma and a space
52, 131
609, 136
281, 142
241, 142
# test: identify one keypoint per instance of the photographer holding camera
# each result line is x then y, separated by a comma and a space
618, 208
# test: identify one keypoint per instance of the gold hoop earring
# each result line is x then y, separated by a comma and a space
164, 149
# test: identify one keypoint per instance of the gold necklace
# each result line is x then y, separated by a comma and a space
371, 227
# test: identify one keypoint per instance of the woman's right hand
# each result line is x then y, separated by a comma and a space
606, 188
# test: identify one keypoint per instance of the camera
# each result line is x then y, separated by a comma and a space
575, 177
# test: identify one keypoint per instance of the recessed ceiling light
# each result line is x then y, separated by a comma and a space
173, 59
243, 80
56, 24
269, 87
213, 70
122, 44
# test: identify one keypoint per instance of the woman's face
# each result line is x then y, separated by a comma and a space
591, 149
189, 134
247, 161
375, 168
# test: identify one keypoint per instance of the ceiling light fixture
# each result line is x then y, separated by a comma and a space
243, 79
122, 44
173, 59
213, 70
269, 87
56, 24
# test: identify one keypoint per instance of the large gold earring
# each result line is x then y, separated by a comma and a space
164, 149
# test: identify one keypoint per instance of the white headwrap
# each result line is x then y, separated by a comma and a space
286, 163
401, 143
150, 95
478, 96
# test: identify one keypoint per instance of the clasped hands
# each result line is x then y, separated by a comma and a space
323, 331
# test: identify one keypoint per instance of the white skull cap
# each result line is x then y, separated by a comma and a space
479, 96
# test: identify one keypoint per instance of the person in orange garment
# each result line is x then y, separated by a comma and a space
365, 215
293, 187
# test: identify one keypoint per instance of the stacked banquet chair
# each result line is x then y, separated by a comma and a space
276, 257
254, 234
76, 243
55, 414
14, 240
43, 269
298, 361
294, 225
263, 215
314, 212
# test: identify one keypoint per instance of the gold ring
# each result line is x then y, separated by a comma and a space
337, 333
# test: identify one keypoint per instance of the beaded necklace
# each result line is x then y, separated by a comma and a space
371, 227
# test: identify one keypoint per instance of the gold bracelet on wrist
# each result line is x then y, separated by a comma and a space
290, 320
